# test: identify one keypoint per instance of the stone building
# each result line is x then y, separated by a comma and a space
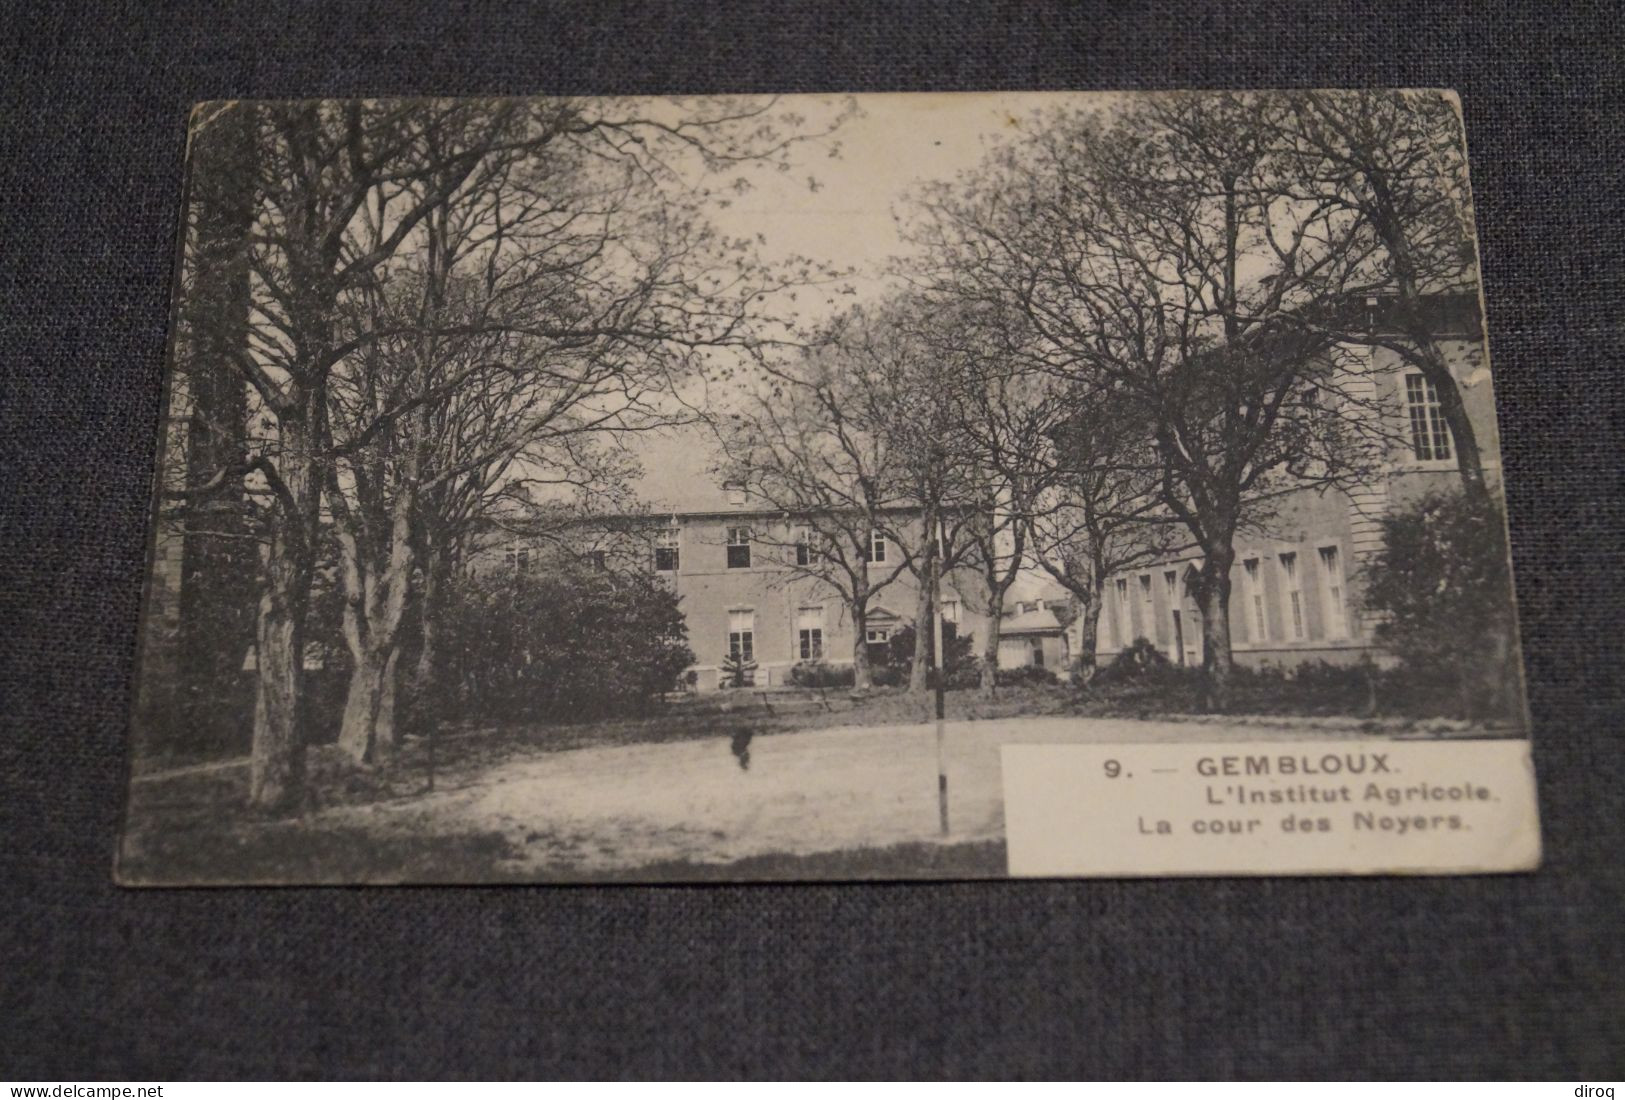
746, 582
1296, 585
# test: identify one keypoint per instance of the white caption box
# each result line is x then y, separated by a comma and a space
1346, 807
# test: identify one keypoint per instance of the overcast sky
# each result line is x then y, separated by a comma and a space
847, 220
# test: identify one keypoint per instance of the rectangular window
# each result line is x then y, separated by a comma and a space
950, 611
668, 547
598, 558
521, 561
1176, 637
742, 635
876, 635
876, 550
1148, 608
1331, 590
739, 548
1294, 595
1125, 629
1257, 616
810, 633
1430, 437
804, 546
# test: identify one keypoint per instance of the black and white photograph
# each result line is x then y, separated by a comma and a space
888, 486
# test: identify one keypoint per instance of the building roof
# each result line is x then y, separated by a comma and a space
1042, 621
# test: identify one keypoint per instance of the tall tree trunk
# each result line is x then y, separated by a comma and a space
999, 581
422, 696
375, 596
277, 760
1213, 600
989, 683
367, 732
919, 673
277, 763
375, 606
861, 680
388, 732
1089, 632
427, 682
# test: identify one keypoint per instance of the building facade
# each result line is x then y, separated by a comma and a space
745, 597
1296, 586
748, 587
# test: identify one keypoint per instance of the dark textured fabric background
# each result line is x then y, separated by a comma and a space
1451, 977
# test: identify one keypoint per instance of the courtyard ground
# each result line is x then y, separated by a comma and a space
842, 801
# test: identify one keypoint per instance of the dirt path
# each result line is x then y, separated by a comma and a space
609, 809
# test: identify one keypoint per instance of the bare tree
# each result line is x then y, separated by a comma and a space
1163, 266
1000, 419
802, 443
319, 166
1099, 511
512, 331
1397, 160
899, 387
343, 188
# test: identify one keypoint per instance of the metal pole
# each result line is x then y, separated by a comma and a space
937, 659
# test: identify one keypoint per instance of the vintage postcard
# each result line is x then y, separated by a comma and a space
893, 486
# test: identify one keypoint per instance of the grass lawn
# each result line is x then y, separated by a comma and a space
462, 747
191, 823
737, 785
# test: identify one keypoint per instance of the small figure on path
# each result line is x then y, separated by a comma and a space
740, 746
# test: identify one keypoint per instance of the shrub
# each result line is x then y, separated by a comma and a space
1418, 692
1314, 687
1442, 594
565, 644
1141, 678
897, 657
888, 676
1140, 659
816, 674
1024, 674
